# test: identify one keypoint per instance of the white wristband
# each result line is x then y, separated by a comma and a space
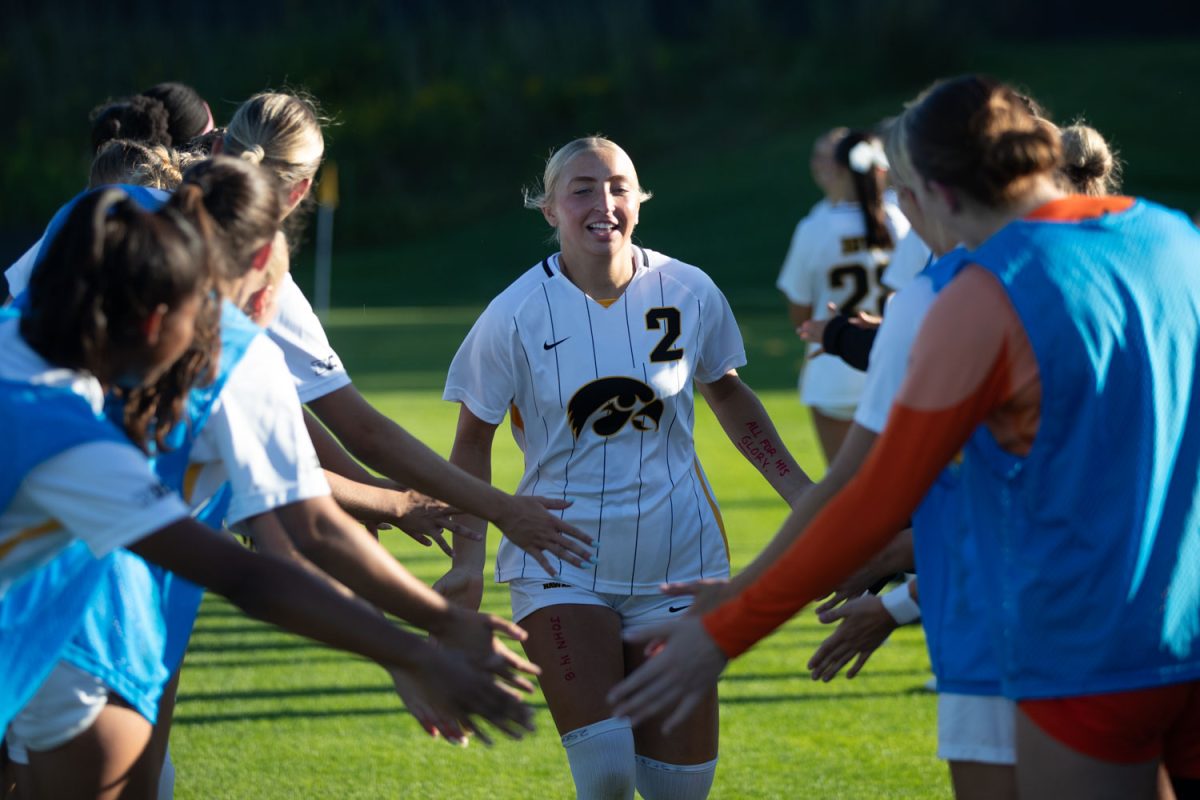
901, 606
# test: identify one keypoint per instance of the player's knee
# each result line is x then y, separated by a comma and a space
657, 780
601, 759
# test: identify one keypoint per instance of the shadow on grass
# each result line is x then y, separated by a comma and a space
186, 719
282, 714
330, 657
912, 691
254, 647
803, 674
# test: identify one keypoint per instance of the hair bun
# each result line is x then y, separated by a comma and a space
1016, 154
254, 154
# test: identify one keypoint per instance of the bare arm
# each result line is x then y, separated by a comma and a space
387, 448
751, 430
329, 538
272, 589
472, 452
335, 459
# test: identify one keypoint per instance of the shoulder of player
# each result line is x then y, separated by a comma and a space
687, 277
526, 287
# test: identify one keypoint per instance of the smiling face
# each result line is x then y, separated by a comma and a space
594, 204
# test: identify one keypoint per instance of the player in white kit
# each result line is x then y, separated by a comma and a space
837, 255
594, 352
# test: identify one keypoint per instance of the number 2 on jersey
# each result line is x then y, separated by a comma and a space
862, 285
656, 318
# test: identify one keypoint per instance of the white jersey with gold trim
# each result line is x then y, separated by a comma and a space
829, 262
602, 398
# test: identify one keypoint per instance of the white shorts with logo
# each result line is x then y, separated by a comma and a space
636, 611
65, 705
977, 728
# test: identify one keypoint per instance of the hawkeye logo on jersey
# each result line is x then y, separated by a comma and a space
618, 401
323, 366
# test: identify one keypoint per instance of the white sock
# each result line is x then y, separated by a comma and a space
601, 759
660, 781
166, 781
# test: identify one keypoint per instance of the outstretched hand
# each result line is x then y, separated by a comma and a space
866, 624
683, 667
474, 636
856, 585
426, 713
813, 330
528, 523
427, 520
457, 694
461, 586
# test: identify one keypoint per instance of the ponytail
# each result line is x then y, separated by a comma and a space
862, 154
104, 272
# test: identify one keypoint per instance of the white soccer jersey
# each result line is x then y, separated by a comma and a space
18, 274
908, 259
829, 262
101, 492
315, 367
605, 400
256, 439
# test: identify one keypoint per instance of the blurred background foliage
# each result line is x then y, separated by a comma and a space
442, 110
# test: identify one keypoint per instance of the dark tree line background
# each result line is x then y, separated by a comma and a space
443, 109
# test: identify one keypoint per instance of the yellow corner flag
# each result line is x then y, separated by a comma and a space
327, 187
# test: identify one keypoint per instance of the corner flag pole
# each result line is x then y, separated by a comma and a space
327, 200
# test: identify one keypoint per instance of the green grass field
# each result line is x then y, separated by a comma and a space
263, 714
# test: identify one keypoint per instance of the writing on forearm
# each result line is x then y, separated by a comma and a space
762, 451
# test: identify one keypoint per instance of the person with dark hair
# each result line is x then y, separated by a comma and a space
113, 303
188, 115
1047, 329
169, 114
835, 259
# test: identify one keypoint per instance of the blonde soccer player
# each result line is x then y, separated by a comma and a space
595, 353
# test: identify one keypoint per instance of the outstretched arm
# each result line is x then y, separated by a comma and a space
378, 503
472, 452
390, 450
752, 432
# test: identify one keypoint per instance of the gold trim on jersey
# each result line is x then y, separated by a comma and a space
712, 504
29, 534
190, 477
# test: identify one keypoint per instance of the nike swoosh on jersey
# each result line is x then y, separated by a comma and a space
552, 345
677, 609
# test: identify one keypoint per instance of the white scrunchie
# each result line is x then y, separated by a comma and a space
867, 155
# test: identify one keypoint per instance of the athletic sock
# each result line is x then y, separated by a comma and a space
601, 759
166, 780
657, 780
